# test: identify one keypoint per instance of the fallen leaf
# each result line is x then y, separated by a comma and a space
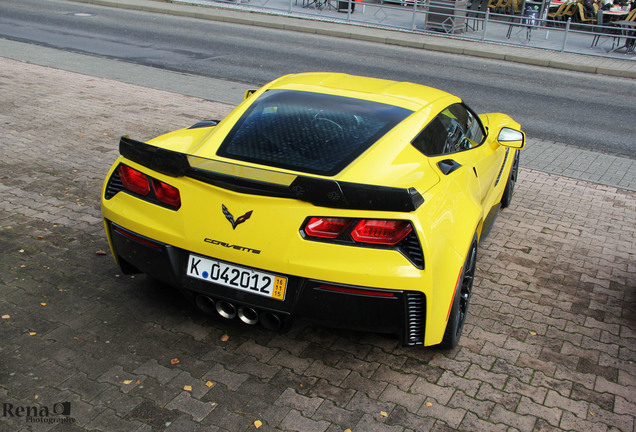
6, 316
32, 333
187, 388
428, 404
533, 333
591, 413
209, 383
175, 361
42, 304
21, 251
138, 382
383, 414
100, 252
127, 382
225, 338
258, 424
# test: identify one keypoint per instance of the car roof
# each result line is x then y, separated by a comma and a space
398, 93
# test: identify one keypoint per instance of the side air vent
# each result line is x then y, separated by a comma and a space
114, 185
415, 318
411, 249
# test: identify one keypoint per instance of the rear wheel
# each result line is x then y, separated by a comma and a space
459, 310
506, 199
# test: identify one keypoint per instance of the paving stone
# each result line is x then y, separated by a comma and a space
412, 402
294, 421
333, 375
522, 422
371, 424
337, 395
330, 412
551, 415
306, 405
184, 402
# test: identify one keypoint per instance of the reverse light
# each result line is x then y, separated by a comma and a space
385, 232
329, 228
134, 180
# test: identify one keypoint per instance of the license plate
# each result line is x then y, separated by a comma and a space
237, 277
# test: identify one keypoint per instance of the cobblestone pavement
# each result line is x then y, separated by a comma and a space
550, 341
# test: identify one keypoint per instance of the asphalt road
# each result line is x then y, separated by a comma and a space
589, 111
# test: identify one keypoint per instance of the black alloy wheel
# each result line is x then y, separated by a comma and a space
459, 310
506, 198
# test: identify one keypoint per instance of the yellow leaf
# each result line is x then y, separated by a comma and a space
383, 414
21, 251
175, 361
42, 304
533, 333
187, 388
209, 383
32, 333
225, 338
347, 430
6, 316
258, 424
428, 404
127, 382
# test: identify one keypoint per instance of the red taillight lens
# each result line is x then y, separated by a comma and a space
134, 180
166, 194
384, 232
329, 228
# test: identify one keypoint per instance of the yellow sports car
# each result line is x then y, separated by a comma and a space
342, 200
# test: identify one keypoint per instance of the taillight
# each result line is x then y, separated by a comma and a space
166, 194
385, 232
142, 184
398, 235
329, 228
134, 180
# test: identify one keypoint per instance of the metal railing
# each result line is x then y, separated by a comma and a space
455, 19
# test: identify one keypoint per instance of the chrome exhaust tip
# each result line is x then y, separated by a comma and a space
225, 309
271, 321
248, 315
205, 304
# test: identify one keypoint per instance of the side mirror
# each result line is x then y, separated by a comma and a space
249, 93
511, 138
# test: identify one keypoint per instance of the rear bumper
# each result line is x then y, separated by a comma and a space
398, 312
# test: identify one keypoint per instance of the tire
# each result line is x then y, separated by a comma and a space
506, 198
459, 310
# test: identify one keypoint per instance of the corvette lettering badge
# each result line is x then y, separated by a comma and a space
238, 221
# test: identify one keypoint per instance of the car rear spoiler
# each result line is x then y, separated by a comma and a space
257, 181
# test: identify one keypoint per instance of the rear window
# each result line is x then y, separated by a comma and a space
308, 132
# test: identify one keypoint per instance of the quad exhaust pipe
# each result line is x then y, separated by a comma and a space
226, 309
246, 314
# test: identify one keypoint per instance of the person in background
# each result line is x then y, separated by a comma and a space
588, 8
